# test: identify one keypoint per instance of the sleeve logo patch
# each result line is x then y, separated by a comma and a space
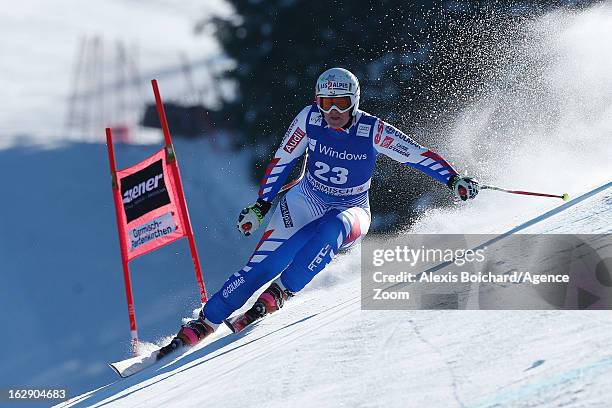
294, 140
387, 141
315, 119
378, 132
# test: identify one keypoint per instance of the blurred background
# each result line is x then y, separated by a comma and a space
508, 91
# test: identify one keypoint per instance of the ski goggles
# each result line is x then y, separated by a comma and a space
341, 103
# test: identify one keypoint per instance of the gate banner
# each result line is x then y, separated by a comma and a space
151, 216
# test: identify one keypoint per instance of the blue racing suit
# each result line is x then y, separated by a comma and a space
328, 210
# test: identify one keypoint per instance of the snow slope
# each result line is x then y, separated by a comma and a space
322, 350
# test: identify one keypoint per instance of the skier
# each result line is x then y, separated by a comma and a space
327, 211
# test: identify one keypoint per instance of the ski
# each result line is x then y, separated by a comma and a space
133, 365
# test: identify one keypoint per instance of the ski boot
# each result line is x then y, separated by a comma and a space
271, 300
189, 335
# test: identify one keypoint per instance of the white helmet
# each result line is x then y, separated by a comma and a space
336, 82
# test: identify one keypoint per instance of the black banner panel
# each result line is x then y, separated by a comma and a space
144, 191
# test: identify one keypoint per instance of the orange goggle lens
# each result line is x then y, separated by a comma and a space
343, 103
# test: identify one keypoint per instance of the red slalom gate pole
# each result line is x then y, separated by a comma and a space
122, 243
171, 160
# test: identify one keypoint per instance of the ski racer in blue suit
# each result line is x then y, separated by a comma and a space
327, 211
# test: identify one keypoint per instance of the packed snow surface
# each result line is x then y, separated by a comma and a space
323, 350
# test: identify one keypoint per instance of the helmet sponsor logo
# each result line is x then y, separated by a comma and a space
294, 140
335, 86
363, 130
336, 82
387, 142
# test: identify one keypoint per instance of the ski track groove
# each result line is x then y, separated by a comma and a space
447, 365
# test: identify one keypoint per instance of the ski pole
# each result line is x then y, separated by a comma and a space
299, 178
564, 196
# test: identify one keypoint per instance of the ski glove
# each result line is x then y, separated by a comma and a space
250, 218
463, 187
